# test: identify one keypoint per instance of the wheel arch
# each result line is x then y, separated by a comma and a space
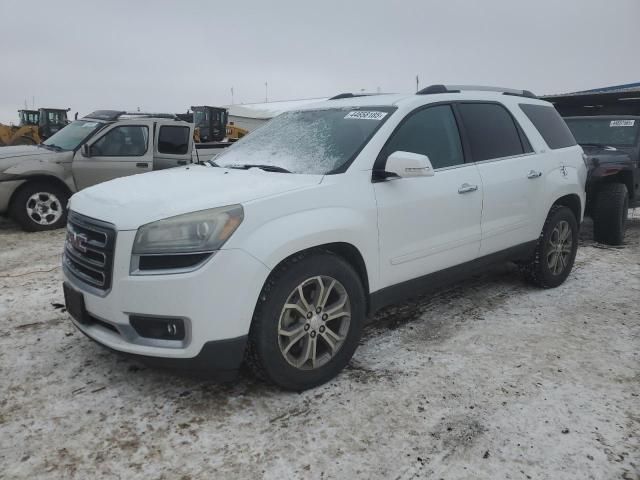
344, 250
39, 178
573, 202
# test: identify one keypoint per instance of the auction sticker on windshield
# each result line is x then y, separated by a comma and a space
622, 123
366, 115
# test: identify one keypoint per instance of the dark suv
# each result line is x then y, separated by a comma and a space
612, 146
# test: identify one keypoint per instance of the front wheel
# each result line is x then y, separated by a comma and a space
40, 206
556, 249
307, 322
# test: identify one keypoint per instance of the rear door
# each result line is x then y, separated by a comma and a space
427, 224
173, 144
512, 175
120, 150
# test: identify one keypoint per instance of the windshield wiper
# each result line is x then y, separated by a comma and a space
52, 145
266, 168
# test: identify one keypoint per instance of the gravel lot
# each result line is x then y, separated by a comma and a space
491, 379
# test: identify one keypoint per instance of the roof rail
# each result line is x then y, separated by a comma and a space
150, 115
432, 89
108, 115
113, 115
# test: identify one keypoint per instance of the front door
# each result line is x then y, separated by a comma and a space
123, 149
427, 224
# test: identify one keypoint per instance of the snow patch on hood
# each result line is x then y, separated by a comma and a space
130, 202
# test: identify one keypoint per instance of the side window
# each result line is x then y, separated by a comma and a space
173, 140
125, 141
490, 130
432, 132
550, 125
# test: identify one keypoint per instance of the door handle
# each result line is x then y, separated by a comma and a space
534, 174
142, 164
466, 188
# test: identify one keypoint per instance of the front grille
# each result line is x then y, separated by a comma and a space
88, 250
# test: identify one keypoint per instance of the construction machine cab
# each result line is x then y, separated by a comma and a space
51, 120
28, 117
210, 122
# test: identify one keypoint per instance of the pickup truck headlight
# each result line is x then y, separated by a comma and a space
197, 232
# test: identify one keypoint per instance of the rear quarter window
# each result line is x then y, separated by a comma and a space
550, 124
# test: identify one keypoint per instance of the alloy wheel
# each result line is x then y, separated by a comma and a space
559, 248
314, 322
44, 208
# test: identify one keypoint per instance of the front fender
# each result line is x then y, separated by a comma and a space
28, 169
275, 240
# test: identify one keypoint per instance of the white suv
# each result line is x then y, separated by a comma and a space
274, 253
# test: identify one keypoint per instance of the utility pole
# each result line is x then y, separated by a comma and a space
417, 83
266, 91
231, 95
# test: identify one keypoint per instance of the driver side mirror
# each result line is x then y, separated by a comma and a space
405, 165
86, 151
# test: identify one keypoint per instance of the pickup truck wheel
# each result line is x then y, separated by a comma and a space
556, 250
307, 322
610, 214
40, 206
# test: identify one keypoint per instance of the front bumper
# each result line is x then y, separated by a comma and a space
215, 301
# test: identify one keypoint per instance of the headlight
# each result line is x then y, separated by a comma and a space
203, 231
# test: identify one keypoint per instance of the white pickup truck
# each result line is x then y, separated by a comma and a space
36, 181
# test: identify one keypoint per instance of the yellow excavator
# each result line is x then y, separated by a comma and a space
35, 126
212, 125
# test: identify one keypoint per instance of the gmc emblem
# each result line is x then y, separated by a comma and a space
78, 241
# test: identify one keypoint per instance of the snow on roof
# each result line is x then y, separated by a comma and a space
265, 111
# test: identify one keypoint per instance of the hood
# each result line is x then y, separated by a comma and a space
22, 151
129, 202
10, 156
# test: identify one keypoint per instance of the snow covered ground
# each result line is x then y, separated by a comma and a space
490, 379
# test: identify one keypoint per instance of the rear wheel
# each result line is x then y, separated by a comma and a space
307, 322
40, 206
610, 213
556, 249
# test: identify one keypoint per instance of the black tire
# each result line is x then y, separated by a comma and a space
22, 200
537, 270
610, 213
264, 355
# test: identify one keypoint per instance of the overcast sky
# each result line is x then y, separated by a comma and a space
168, 55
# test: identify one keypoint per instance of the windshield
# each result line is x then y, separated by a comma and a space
310, 142
201, 118
73, 134
621, 132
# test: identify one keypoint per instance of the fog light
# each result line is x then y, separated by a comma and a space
156, 327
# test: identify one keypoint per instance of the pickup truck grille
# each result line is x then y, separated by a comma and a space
88, 250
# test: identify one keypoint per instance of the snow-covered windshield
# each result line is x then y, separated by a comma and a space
309, 142
617, 132
73, 134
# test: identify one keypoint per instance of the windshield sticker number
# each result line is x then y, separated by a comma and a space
366, 115
622, 123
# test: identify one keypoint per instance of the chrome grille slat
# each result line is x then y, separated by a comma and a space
89, 248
